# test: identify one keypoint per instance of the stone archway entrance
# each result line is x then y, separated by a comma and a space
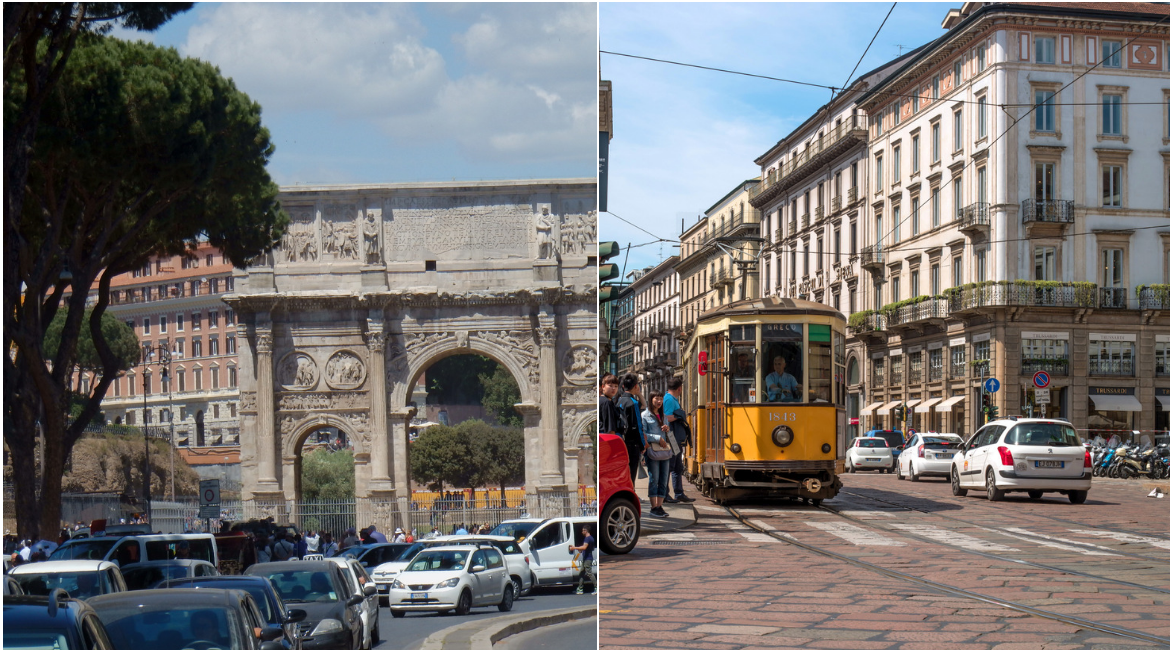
373, 284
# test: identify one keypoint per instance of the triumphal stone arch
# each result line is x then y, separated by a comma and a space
374, 283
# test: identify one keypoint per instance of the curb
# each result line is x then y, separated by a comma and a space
476, 635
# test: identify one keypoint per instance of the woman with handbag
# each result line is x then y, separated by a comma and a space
659, 450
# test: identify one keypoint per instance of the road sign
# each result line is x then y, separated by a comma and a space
702, 363
1043, 396
209, 512
991, 385
209, 493
1041, 379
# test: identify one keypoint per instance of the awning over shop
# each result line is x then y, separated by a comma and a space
885, 410
1165, 400
869, 409
911, 402
925, 406
1116, 402
945, 407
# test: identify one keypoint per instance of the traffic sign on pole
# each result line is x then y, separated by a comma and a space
209, 492
991, 385
1041, 379
1043, 396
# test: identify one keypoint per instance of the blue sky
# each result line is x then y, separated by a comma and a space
683, 137
366, 93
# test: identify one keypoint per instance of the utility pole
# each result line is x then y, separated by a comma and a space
164, 358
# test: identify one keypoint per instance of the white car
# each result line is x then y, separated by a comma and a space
452, 578
81, 578
519, 562
869, 453
547, 542
385, 573
928, 454
1023, 455
358, 579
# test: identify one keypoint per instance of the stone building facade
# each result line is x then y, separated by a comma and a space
374, 283
656, 325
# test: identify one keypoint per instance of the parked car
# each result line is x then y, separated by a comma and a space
199, 619
81, 579
384, 573
371, 555
866, 454
361, 583
1033, 455
893, 438
519, 563
12, 587
928, 454
547, 541
146, 575
53, 621
452, 578
271, 607
333, 618
129, 549
621, 509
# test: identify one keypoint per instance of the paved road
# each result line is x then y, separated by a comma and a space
900, 564
410, 631
577, 635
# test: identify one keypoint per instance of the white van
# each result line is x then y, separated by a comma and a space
127, 550
547, 542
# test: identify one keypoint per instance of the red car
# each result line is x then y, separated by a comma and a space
621, 511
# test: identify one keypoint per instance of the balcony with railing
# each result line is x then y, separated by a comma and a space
936, 372
879, 376
981, 368
838, 140
1051, 365
896, 376
1022, 293
958, 369
1111, 367
914, 375
837, 203
721, 278
804, 221
1155, 296
975, 217
873, 257
932, 308
851, 195
1047, 211
818, 214
733, 226
1113, 298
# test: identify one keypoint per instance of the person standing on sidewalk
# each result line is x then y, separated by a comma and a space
586, 548
630, 422
659, 451
675, 423
608, 418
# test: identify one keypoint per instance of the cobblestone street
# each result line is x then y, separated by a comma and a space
896, 564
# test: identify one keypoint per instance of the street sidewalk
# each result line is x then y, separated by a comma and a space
481, 635
681, 514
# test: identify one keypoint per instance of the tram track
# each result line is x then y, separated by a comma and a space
1007, 532
957, 591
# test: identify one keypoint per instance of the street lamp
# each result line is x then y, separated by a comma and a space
164, 359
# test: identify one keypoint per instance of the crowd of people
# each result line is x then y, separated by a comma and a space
655, 432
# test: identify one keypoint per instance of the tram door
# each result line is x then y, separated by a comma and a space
716, 399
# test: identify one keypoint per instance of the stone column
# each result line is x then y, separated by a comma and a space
398, 432
380, 480
550, 411
266, 443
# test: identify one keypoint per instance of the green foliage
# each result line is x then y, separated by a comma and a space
856, 319
327, 474
1161, 291
889, 309
501, 393
118, 335
472, 454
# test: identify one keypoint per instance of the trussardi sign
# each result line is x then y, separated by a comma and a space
1111, 390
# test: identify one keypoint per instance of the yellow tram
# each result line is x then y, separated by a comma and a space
766, 387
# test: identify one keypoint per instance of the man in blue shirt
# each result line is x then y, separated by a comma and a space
675, 425
586, 548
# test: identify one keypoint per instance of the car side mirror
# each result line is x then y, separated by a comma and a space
271, 633
900, 447
356, 599
370, 589
295, 616
477, 568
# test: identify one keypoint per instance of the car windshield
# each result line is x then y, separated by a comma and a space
89, 549
1047, 434
167, 625
83, 584
894, 438
353, 551
516, 530
145, 577
36, 640
257, 591
439, 561
872, 442
302, 586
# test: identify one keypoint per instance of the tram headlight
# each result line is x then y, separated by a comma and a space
826, 448
782, 436
735, 448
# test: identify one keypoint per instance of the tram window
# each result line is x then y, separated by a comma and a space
744, 333
820, 364
783, 352
743, 373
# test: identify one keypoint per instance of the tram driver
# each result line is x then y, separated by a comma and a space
781, 385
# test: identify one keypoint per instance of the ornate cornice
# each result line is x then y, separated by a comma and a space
293, 302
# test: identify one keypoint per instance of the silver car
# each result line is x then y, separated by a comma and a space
452, 578
928, 454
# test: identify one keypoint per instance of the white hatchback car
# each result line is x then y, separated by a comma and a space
81, 578
452, 578
1023, 455
928, 454
519, 563
869, 453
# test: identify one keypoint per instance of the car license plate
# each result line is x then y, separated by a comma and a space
383, 588
874, 459
418, 595
1058, 464
944, 455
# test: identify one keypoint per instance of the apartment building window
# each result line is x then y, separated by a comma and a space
852, 300
146, 325
178, 322
957, 271
982, 353
981, 58
914, 285
896, 110
213, 285
837, 300
981, 265
213, 346
915, 154
229, 284
837, 185
895, 289
1111, 115
198, 376
983, 116
209, 259
879, 372
936, 365
896, 226
915, 367
821, 196
194, 287
229, 318
1112, 267
196, 321
1110, 186
1045, 49
215, 380
934, 87
180, 346
935, 142
878, 233
935, 210
935, 280
1045, 111
897, 165
914, 103
877, 172
1111, 358
130, 324
981, 177
162, 324
196, 348
957, 70
853, 176
1044, 263
958, 121
958, 361
837, 245
213, 319
852, 237
232, 379
1045, 181
1161, 359
896, 371
877, 297
914, 217
820, 253
1111, 54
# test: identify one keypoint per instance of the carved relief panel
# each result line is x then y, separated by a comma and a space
339, 232
344, 371
297, 371
300, 242
426, 228
578, 231
580, 365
